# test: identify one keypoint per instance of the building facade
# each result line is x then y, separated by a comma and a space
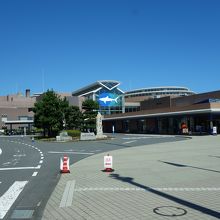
194, 114
161, 110
16, 111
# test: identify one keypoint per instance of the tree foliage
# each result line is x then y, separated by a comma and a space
73, 117
90, 108
49, 113
53, 114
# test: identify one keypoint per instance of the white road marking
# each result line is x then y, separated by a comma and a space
34, 173
150, 135
41, 162
56, 152
95, 151
19, 155
68, 194
0, 151
132, 138
141, 189
128, 142
42, 158
20, 168
6, 163
139, 135
7, 200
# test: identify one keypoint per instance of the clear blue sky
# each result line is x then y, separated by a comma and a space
139, 43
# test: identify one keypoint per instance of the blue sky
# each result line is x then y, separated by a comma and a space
66, 44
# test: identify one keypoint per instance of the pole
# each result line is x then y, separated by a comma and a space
113, 129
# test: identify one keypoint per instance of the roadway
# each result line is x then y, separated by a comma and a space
29, 171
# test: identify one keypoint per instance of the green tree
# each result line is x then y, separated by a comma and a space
73, 117
90, 108
49, 113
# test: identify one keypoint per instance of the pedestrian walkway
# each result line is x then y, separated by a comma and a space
160, 181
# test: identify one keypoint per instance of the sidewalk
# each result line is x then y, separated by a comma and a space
178, 180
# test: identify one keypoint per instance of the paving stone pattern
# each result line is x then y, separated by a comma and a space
130, 192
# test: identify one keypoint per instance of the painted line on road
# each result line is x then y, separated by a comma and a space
67, 197
128, 142
34, 173
41, 161
133, 138
7, 200
0, 151
141, 189
20, 168
56, 152
149, 135
19, 155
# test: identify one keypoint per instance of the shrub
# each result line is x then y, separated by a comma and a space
74, 133
37, 130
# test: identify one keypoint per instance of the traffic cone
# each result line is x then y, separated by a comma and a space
64, 165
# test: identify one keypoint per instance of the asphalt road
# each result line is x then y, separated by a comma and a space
29, 171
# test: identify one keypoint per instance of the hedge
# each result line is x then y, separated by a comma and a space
73, 133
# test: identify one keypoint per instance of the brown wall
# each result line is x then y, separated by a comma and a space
16, 101
164, 102
189, 100
167, 104
163, 110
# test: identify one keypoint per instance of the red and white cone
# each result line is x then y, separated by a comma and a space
64, 165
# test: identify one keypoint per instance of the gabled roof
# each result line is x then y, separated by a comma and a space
108, 84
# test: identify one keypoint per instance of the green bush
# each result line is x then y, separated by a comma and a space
73, 133
38, 130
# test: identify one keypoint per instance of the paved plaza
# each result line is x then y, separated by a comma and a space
177, 180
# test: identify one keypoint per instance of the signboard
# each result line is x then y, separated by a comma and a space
108, 99
108, 162
214, 130
87, 136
